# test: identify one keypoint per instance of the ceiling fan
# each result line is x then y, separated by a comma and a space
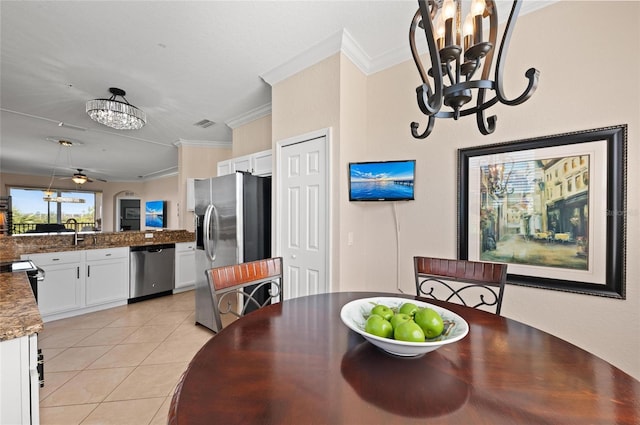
81, 178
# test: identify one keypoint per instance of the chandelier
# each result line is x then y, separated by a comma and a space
116, 114
457, 52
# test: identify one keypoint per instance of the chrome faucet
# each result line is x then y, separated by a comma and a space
76, 239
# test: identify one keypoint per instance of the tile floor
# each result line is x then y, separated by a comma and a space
118, 366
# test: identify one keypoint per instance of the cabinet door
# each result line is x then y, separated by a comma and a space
19, 402
61, 289
185, 265
107, 281
225, 167
262, 165
242, 163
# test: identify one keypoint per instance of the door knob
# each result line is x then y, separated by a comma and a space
293, 256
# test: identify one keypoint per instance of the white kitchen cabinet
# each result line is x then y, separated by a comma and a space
63, 287
242, 163
185, 266
79, 282
225, 167
262, 165
107, 275
258, 163
19, 381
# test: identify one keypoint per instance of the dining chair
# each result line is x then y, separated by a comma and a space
471, 283
240, 288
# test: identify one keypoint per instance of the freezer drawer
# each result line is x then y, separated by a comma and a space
152, 270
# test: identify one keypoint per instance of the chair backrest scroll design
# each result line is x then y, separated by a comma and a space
485, 280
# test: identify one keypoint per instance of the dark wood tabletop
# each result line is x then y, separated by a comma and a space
297, 363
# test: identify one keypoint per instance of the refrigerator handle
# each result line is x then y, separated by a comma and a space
211, 241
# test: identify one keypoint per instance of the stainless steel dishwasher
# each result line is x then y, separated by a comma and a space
151, 271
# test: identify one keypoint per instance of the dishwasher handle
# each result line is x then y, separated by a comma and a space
152, 248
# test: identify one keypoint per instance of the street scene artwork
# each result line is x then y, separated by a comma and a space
536, 212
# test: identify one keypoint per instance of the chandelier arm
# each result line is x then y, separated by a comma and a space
452, 79
414, 50
427, 130
485, 125
434, 102
532, 74
491, 11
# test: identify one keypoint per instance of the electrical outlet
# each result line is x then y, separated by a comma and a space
148, 235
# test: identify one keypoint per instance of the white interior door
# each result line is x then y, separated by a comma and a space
304, 216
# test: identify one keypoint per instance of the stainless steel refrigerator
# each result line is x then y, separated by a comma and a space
233, 225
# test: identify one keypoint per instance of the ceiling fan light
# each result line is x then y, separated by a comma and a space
79, 179
116, 114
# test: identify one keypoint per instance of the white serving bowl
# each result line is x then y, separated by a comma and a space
354, 314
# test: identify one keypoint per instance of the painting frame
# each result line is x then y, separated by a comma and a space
605, 274
132, 213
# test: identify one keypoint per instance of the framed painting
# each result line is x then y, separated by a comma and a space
553, 208
131, 213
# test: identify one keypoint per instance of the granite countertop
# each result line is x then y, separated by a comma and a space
11, 247
19, 314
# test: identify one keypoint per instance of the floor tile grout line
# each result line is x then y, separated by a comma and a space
159, 309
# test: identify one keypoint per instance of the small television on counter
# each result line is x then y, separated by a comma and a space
382, 180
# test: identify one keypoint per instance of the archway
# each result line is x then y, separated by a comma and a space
126, 211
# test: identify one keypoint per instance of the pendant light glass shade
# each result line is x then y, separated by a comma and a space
116, 114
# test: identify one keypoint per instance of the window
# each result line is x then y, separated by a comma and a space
75, 210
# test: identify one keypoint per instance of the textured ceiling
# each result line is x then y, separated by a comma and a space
179, 61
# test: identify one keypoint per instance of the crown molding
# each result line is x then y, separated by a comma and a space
338, 42
203, 143
247, 117
343, 42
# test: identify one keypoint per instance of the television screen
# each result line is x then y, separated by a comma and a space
155, 214
382, 181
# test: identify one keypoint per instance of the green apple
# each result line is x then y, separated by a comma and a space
378, 326
409, 331
408, 308
399, 318
430, 322
383, 311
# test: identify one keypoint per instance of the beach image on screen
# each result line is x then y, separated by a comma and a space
382, 180
154, 214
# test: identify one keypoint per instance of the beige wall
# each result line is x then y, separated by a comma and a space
306, 102
252, 137
578, 90
163, 189
351, 259
195, 162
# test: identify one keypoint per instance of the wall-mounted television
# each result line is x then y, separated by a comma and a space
155, 214
382, 180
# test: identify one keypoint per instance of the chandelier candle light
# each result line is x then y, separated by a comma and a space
457, 52
116, 114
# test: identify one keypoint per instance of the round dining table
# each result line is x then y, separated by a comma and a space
295, 362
